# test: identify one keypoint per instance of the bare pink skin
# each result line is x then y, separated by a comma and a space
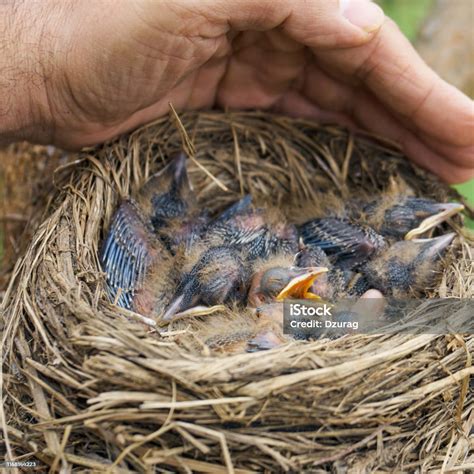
77, 73
375, 308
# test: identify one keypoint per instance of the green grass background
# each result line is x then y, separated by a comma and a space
408, 14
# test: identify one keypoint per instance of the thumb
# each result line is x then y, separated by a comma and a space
314, 23
334, 24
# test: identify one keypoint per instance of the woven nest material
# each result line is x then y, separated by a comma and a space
88, 386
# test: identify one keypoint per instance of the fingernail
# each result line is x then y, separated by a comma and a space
363, 14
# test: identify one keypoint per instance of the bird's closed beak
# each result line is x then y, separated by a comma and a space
178, 172
182, 302
175, 174
443, 212
300, 284
176, 306
433, 248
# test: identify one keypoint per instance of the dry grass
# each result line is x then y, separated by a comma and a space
26, 185
88, 386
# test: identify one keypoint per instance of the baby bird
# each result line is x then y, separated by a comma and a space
168, 201
407, 268
167, 195
347, 243
279, 278
334, 283
134, 248
257, 233
398, 216
219, 275
238, 333
404, 268
130, 252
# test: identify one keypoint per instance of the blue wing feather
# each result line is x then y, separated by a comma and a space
127, 253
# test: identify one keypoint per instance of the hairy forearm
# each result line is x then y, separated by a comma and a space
23, 99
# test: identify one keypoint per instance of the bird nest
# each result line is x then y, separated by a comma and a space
90, 385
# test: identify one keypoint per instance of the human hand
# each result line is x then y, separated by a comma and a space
93, 69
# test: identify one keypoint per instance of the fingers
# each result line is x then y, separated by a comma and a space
371, 115
453, 163
314, 23
405, 94
270, 54
327, 25
261, 69
459, 155
398, 77
296, 105
371, 305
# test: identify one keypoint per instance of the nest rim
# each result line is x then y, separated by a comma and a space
61, 334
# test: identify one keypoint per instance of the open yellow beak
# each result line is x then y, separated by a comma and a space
450, 209
298, 287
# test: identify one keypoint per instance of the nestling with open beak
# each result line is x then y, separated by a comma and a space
279, 278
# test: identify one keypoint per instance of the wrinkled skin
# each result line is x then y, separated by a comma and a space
102, 67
